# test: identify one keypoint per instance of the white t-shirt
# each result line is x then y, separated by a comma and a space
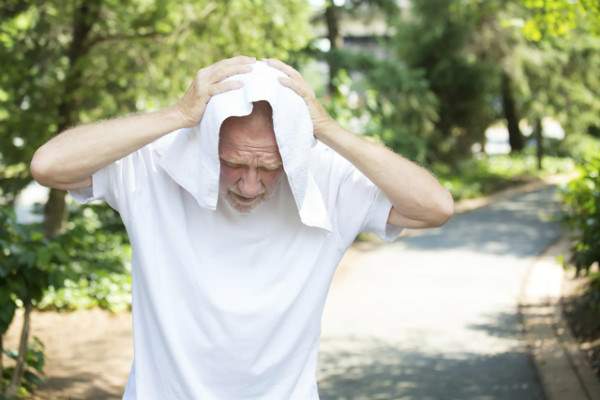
226, 305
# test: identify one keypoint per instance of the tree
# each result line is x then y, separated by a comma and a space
560, 78
437, 38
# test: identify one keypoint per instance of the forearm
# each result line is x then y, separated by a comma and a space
78, 152
412, 190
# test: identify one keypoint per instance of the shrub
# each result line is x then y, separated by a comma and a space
579, 146
581, 198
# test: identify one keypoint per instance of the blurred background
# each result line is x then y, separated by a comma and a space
497, 98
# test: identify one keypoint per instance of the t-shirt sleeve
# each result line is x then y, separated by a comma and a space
99, 189
355, 204
117, 182
363, 207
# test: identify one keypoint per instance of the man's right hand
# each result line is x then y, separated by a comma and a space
207, 83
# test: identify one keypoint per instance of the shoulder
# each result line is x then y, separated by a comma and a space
329, 169
160, 145
324, 157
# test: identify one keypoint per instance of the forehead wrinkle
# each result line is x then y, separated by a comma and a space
250, 146
248, 137
239, 154
243, 148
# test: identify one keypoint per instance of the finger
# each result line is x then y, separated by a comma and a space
224, 87
280, 65
239, 60
290, 84
230, 70
296, 87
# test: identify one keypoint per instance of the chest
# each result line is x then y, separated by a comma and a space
182, 239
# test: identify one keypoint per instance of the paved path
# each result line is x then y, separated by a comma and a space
434, 316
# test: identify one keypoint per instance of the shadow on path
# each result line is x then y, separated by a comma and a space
385, 371
520, 226
435, 315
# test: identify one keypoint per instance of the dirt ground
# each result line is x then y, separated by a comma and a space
88, 353
583, 319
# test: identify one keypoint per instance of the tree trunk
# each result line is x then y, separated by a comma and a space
17, 375
1, 358
509, 107
336, 42
539, 143
54, 212
83, 19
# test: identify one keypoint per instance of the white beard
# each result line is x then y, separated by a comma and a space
246, 208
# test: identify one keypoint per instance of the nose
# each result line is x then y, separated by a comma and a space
250, 184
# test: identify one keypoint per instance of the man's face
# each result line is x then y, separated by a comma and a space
251, 165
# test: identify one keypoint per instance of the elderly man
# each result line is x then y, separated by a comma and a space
239, 202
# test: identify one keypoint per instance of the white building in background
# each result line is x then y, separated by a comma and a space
496, 135
24, 203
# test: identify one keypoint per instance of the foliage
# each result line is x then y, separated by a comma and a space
436, 40
27, 261
106, 290
425, 93
480, 176
578, 146
581, 198
559, 81
30, 263
389, 103
438, 88
557, 74
34, 369
560, 17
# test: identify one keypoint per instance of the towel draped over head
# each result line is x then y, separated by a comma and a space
191, 158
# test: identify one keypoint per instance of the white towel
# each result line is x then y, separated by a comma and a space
192, 159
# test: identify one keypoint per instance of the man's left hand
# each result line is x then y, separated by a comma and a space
320, 117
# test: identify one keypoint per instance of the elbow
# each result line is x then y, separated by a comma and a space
444, 209
39, 169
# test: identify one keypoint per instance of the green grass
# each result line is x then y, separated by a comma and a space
485, 175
